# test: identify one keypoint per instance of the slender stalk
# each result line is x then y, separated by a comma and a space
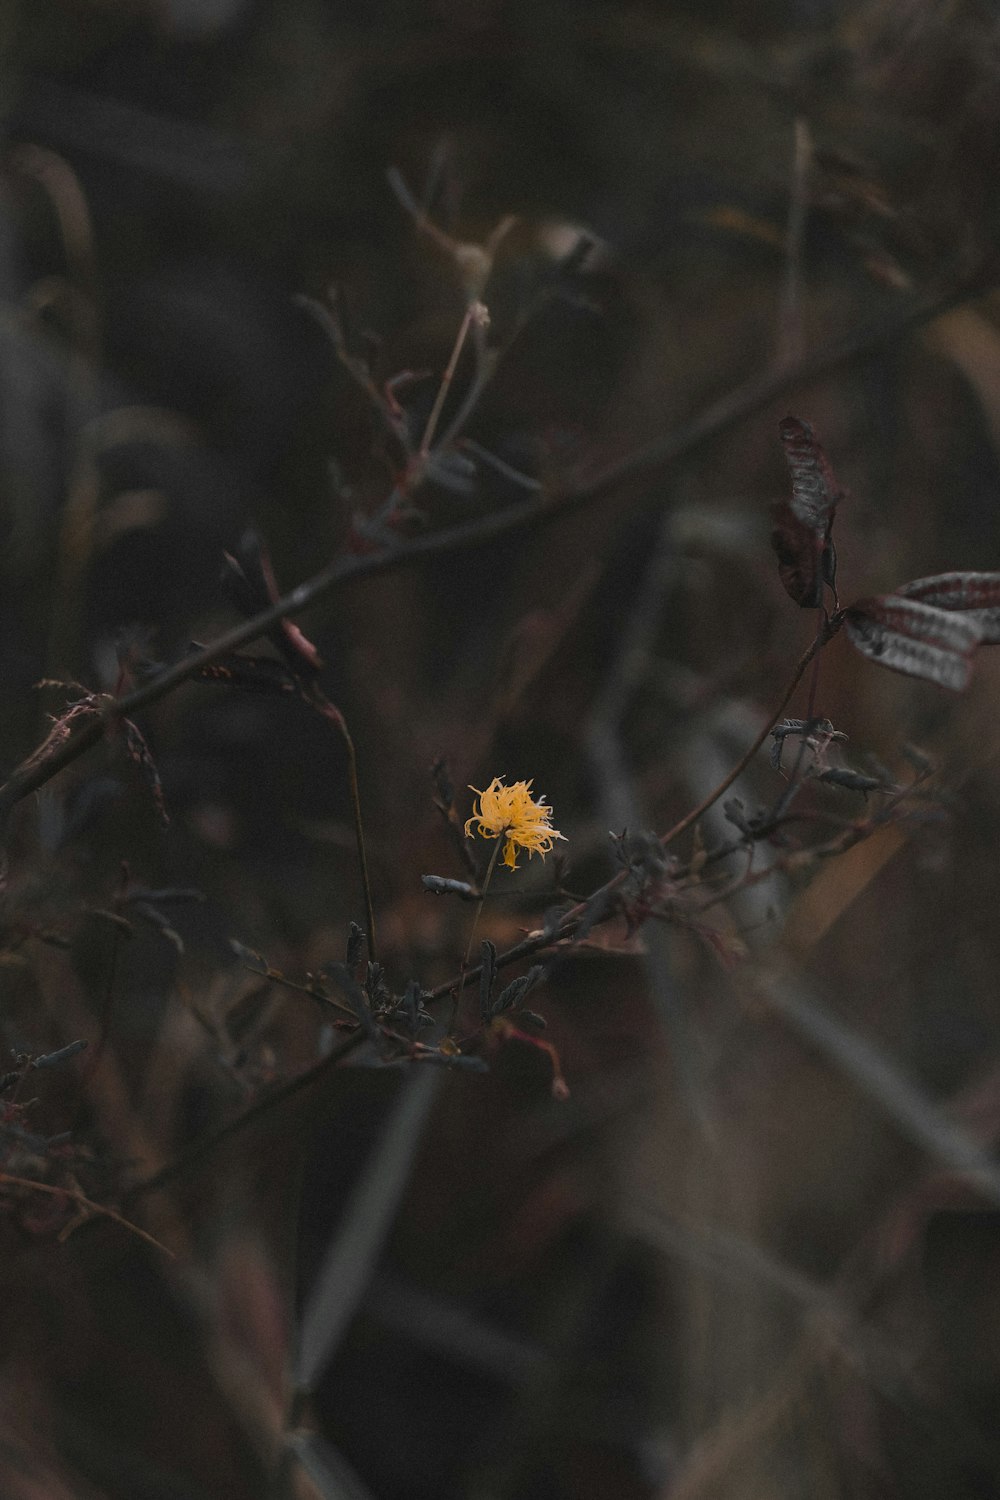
689, 819
359, 835
472, 931
197, 1152
8, 1179
333, 716
446, 379
785, 800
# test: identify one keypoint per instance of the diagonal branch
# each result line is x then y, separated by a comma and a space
660, 454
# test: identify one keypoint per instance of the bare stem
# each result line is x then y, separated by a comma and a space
8, 1179
359, 834
446, 379
689, 819
333, 716
720, 416
472, 932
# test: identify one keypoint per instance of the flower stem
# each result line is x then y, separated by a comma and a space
472, 932
359, 833
446, 380
334, 717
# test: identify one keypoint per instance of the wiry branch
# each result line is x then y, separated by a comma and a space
716, 418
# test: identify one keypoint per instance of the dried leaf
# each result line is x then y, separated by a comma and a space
258, 674
356, 940
487, 977
917, 639
815, 491
976, 595
516, 990
854, 781
801, 535
139, 752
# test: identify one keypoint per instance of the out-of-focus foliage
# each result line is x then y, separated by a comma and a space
715, 1216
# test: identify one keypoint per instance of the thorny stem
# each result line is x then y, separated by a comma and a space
651, 458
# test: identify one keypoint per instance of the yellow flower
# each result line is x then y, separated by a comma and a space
509, 812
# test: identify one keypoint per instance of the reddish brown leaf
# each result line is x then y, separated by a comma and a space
801, 536
918, 639
975, 595
815, 491
800, 557
139, 753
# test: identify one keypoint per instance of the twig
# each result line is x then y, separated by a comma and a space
8, 1179
822, 636
685, 440
472, 311
567, 926
271, 1100
333, 716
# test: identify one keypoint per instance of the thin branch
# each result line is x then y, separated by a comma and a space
8, 1179
569, 923
689, 819
204, 1147
716, 418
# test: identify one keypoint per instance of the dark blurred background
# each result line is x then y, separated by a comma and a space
748, 1256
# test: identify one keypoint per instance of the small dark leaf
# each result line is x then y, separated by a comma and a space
815, 491
356, 939
801, 536
375, 985
487, 977
516, 990
853, 781
55, 1059
357, 998
976, 595
411, 1005
799, 554
257, 674
914, 638
734, 812
531, 1020
139, 753
441, 885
